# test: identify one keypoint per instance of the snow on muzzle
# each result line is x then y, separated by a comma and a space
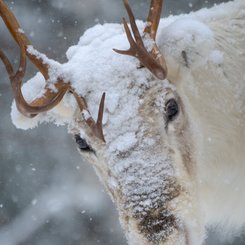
145, 191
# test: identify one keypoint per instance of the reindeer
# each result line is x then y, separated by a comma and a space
168, 142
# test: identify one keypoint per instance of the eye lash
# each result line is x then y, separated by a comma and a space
166, 122
171, 111
83, 145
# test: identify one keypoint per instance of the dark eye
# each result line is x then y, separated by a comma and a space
171, 109
82, 144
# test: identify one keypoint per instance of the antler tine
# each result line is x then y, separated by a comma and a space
134, 27
96, 127
41, 104
151, 29
132, 50
19, 36
7, 63
154, 18
50, 98
152, 60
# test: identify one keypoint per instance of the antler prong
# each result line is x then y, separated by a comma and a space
128, 33
14, 28
96, 127
132, 21
7, 64
131, 51
99, 124
151, 29
50, 98
45, 103
154, 18
152, 60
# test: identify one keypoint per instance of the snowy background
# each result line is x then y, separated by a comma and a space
48, 195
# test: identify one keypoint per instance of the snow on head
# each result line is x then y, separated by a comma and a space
144, 162
94, 68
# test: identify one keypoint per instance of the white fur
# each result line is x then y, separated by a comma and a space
197, 165
214, 95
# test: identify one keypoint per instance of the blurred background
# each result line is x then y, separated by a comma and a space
48, 194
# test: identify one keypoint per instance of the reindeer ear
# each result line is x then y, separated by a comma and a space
185, 58
187, 43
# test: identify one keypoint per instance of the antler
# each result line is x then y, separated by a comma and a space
50, 98
96, 127
153, 59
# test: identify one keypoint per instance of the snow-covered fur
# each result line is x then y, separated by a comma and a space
169, 180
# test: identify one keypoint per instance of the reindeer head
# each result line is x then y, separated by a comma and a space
140, 145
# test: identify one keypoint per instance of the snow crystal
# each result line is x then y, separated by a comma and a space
54, 67
54, 205
124, 142
21, 30
217, 57
86, 115
113, 182
93, 64
34, 88
34, 202
148, 42
136, 162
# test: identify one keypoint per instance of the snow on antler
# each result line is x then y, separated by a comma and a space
163, 163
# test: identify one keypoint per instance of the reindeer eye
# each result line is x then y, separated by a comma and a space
171, 109
82, 144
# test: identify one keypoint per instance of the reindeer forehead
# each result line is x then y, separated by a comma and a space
93, 68
98, 64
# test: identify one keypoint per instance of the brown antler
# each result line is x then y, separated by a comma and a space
154, 18
96, 127
153, 59
50, 98
45, 103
